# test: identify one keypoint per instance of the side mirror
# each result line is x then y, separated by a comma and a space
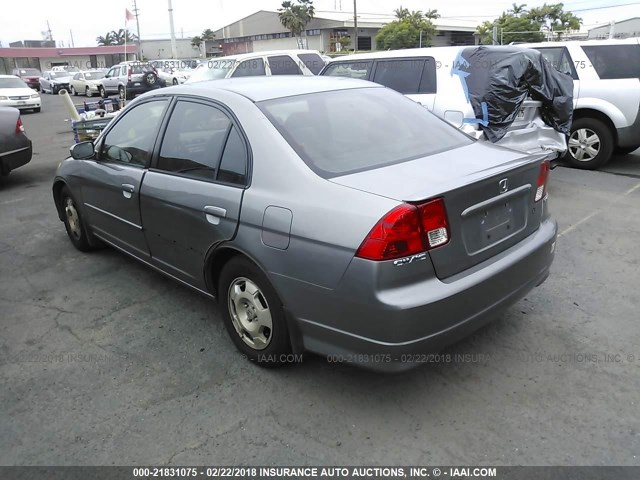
82, 150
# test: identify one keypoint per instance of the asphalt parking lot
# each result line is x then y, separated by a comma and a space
104, 361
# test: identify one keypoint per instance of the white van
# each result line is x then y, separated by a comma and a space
280, 62
431, 77
606, 96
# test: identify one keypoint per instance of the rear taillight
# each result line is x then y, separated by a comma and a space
541, 186
129, 72
407, 230
19, 126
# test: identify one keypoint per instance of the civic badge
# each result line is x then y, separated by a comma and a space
503, 185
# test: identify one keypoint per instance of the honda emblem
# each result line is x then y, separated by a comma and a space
503, 185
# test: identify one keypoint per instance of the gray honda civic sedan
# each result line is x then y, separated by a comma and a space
328, 215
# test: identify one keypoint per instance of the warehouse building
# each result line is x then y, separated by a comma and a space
623, 29
263, 31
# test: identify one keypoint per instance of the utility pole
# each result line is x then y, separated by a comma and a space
73, 44
174, 48
355, 26
135, 12
49, 30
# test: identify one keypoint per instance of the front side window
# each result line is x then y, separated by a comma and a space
358, 70
403, 76
614, 61
250, 68
194, 140
559, 58
368, 127
283, 65
131, 140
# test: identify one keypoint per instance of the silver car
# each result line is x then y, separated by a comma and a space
330, 215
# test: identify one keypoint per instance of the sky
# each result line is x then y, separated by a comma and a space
26, 20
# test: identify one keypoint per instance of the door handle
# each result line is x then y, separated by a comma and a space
127, 190
214, 214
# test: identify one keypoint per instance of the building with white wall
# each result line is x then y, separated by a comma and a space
623, 29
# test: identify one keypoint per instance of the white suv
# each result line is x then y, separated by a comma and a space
441, 78
606, 115
281, 62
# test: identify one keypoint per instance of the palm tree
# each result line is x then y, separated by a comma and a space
122, 36
401, 13
518, 10
432, 14
296, 16
106, 40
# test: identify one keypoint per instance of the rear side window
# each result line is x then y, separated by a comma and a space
360, 70
560, 59
250, 68
406, 76
233, 167
368, 127
283, 65
312, 61
194, 140
614, 61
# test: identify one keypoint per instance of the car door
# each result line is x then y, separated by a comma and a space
111, 183
44, 82
110, 81
190, 198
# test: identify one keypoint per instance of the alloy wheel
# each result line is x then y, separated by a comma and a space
72, 218
584, 144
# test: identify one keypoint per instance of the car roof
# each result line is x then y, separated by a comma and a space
258, 89
242, 56
613, 41
9, 76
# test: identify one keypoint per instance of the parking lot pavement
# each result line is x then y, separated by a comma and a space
103, 361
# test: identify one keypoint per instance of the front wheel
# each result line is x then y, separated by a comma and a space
122, 93
175, 81
590, 144
253, 313
73, 222
73, 91
87, 92
102, 91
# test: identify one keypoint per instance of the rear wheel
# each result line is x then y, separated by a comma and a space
175, 81
73, 221
102, 91
122, 93
87, 92
253, 313
73, 91
590, 144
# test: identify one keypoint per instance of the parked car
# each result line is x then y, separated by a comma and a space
606, 100
173, 72
129, 79
86, 82
65, 68
15, 146
280, 62
317, 211
53, 82
31, 76
484, 91
14, 92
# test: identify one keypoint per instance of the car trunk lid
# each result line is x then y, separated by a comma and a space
488, 194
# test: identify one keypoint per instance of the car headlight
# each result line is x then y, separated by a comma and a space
4, 98
35, 96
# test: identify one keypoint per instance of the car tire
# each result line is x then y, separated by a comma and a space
122, 93
253, 313
150, 79
73, 221
175, 81
590, 144
73, 91
87, 92
102, 91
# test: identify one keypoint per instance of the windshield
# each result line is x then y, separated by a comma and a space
12, 83
212, 70
346, 131
32, 72
93, 75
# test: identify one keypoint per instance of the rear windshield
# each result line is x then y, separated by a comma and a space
346, 131
357, 69
93, 75
59, 74
30, 72
212, 70
12, 83
614, 61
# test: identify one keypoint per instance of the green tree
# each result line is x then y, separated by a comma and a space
295, 15
120, 36
106, 40
196, 42
405, 32
521, 25
207, 34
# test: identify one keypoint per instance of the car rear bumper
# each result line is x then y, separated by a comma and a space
14, 159
22, 104
396, 327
